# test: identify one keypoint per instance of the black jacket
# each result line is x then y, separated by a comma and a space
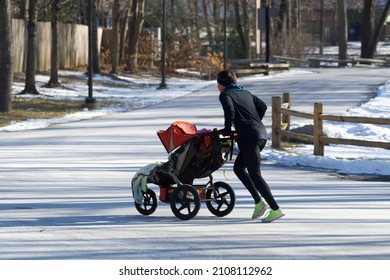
245, 111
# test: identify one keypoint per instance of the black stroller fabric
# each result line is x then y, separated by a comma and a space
192, 153
199, 157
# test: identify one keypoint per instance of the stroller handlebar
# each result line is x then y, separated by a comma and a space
225, 134
222, 134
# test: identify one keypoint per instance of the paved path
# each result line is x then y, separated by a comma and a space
65, 190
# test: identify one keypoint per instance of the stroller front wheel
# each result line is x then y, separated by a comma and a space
220, 199
185, 202
150, 203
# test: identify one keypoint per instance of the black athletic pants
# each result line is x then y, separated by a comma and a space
247, 169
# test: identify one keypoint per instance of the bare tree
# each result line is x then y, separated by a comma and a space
137, 11
56, 6
115, 35
210, 37
322, 26
242, 25
119, 25
296, 15
217, 5
22, 9
6, 61
194, 22
282, 26
31, 49
378, 30
342, 29
122, 34
368, 23
53, 82
370, 31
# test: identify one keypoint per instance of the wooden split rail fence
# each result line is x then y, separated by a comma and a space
244, 67
354, 61
281, 114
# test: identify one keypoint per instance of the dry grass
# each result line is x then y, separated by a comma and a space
38, 108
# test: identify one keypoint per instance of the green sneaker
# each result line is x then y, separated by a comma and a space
273, 215
260, 209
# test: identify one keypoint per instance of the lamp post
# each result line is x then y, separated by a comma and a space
267, 34
225, 36
163, 85
90, 101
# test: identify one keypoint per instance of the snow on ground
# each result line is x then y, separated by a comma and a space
348, 159
65, 190
134, 93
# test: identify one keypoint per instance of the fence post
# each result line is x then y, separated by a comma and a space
318, 130
286, 118
276, 120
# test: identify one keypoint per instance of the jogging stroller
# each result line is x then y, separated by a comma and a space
192, 154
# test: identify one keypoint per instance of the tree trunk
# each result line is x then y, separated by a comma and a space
218, 33
210, 36
135, 27
22, 9
6, 59
115, 36
241, 28
296, 16
342, 30
96, 51
335, 16
378, 30
194, 26
281, 27
31, 49
322, 27
53, 82
245, 11
368, 22
123, 28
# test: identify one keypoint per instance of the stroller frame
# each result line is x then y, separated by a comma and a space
185, 198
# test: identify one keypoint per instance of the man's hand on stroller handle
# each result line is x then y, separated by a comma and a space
224, 132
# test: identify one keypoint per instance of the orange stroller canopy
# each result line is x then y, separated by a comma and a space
177, 134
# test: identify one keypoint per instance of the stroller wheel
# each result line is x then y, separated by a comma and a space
220, 199
185, 202
150, 203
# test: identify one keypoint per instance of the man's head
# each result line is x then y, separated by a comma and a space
226, 77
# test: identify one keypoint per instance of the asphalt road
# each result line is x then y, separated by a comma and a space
65, 190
